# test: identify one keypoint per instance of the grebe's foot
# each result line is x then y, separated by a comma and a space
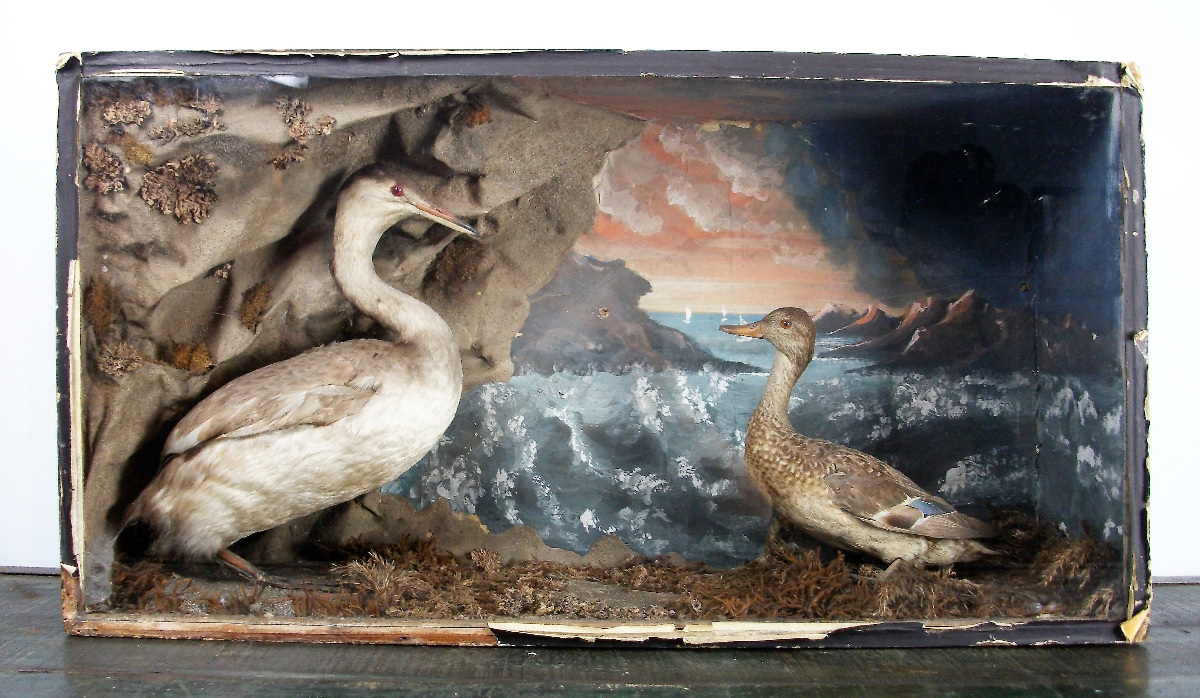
244, 567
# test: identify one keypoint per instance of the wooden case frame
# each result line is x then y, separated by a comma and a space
796, 67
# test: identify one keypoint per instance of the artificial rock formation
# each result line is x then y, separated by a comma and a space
517, 163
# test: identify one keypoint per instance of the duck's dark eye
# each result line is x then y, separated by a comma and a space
397, 190
785, 324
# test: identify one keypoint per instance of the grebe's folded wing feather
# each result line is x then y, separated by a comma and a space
318, 387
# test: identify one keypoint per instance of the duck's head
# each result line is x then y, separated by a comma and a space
791, 330
386, 194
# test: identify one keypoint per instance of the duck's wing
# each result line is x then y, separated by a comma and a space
318, 387
882, 496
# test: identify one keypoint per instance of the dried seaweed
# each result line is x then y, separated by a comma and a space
912, 592
182, 188
254, 302
472, 114
106, 172
417, 579
1070, 561
456, 267
487, 561
145, 586
779, 585
242, 601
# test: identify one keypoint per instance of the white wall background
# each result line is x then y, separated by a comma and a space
1160, 36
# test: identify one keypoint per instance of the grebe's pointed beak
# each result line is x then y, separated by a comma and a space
447, 219
751, 330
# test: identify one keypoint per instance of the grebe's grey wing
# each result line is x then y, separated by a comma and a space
318, 387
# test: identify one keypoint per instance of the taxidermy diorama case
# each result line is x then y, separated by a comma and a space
602, 347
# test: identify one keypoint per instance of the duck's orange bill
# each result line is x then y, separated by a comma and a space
751, 330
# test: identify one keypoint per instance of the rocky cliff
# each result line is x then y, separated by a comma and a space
587, 319
205, 234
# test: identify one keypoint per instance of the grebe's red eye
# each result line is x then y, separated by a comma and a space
397, 190
785, 324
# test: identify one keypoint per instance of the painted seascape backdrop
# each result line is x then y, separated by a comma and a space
961, 256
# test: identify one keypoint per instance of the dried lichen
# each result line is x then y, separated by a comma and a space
209, 107
295, 114
324, 125
207, 104
186, 128
289, 155
106, 172
192, 357
99, 300
254, 302
182, 188
131, 112
117, 359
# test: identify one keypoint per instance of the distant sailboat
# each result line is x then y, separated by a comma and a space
687, 316
724, 314
742, 321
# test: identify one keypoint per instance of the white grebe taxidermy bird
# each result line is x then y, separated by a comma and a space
323, 427
836, 494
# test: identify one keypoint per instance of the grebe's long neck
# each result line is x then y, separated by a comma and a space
356, 232
784, 374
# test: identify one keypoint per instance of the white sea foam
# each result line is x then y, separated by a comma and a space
567, 454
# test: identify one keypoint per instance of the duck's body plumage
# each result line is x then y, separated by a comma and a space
323, 427
838, 495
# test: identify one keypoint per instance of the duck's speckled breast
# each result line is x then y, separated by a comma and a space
780, 461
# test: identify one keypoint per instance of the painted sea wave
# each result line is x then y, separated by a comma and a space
654, 457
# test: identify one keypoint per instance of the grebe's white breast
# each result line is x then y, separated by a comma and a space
236, 484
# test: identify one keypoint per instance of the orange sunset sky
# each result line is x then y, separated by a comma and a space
700, 211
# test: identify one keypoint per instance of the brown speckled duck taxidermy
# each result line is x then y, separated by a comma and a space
323, 427
838, 495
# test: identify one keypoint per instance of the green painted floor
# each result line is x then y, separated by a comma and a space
37, 659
